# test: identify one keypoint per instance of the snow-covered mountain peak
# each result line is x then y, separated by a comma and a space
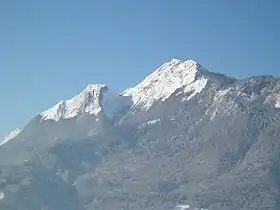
92, 100
94, 87
174, 60
164, 81
11, 136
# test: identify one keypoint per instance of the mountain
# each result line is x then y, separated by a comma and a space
182, 135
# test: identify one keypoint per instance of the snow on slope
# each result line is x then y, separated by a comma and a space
162, 83
186, 207
2, 195
197, 86
11, 136
92, 100
182, 207
150, 122
277, 105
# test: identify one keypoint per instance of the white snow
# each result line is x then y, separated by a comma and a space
182, 207
160, 85
2, 195
92, 100
221, 94
150, 122
163, 82
214, 114
197, 86
86, 101
186, 206
277, 105
10, 136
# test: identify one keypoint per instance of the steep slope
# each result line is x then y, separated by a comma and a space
183, 135
11, 136
168, 78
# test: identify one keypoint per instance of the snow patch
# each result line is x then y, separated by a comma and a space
214, 114
277, 105
197, 86
185, 207
2, 195
221, 94
182, 207
11, 136
163, 82
150, 122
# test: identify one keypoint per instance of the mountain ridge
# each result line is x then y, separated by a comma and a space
204, 140
192, 71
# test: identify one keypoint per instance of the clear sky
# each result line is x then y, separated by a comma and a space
50, 50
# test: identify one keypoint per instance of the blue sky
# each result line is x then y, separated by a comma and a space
51, 49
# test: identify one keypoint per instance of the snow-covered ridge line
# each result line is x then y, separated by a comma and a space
66, 109
10, 136
160, 85
92, 100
